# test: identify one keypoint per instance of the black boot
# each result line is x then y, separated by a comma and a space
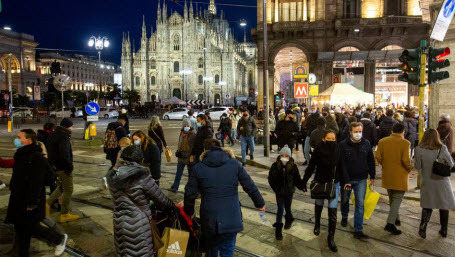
278, 231
444, 219
317, 219
332, 226
426, 215
289, 219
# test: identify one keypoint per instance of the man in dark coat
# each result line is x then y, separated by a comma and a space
247, 129
217, 178
225, 128
385, 128
26, 208
311, 124
287, 130
118, 128
60, 155
204, 132
369, 129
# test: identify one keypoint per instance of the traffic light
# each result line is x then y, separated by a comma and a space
435, 63
280, 95
410, 63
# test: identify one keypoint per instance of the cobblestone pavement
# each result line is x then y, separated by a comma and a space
92, 234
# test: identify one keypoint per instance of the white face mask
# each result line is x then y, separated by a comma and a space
357, 136
284, 160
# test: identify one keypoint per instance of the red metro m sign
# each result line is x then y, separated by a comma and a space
300, 90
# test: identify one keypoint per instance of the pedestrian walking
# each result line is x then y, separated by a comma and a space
192, 120
150, 152
283, 178
298, 118
185, 147
324, 163
318, 134
410, 123
61, 159
342, 122
369, 131
436, 192
155, 132
379, 117
43, 134
287, 130
225, 129
114, 132
209, 119
204, 132
386, 125
331, 123
393, 154
220, 214
311, 124
357, 163
233, 118
26, 207
132, 188
124, 115
272, 128
445, 131
247, 130
358, 113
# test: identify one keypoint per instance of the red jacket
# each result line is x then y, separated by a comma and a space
6, 163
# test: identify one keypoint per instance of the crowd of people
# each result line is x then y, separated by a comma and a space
341, 146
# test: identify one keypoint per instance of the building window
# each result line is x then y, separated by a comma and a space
351, 8
393, 7
176, 67
201, 63
153, 80
176, 42
200, 79
153, 64
138, 81
217, 78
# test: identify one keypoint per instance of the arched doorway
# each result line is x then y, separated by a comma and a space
15, 70
284, 60
177, 93
217, 99
200, 97
153, 98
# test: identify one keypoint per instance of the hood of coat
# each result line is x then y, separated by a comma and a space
296, 109
26, 151
114, 125
126, 175
411, 121
289, 165
62, 130
284, 117
365, 121
217, 156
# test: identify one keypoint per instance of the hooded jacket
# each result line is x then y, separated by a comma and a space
385, 128
331, 123
369, 131
287, 131
132, 188
410, 126
317, 134
59, 149
217, 178
312, 122
283, 179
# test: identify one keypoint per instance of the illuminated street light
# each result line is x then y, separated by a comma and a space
99, 43
6, 27
243, 23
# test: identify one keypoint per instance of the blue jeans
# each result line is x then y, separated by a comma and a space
178, 175
221, 245
244, 142
360, 188
306, 149
283, 203
332, 203
234, 134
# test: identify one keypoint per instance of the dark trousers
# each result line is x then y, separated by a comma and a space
221, 245
24, 234
283, 203
223, 138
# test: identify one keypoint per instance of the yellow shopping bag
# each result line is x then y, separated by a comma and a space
371, 200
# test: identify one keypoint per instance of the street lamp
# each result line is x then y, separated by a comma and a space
207, 79
185, 73
99, 43
243, 24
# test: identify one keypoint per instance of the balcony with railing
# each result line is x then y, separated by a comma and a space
383, 21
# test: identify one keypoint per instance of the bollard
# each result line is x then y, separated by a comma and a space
92, 130
10, 127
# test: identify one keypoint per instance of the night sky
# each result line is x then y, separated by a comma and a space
68, 24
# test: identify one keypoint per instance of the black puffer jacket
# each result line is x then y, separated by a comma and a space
369, 131
30, 174
385, 128
312, 122
132, 188
225, 126
324, 162
410, 126
202, 134
287, 131
59, 149
284, 179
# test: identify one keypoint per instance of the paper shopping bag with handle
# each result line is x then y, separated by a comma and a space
175, 241
371, 200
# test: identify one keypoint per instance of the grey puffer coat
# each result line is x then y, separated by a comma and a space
132, 232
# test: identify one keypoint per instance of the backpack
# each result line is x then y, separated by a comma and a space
110, 140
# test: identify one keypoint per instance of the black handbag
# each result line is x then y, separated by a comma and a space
439, 168
325, 190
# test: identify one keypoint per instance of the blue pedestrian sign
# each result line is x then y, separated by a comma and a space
92, 108
227, 96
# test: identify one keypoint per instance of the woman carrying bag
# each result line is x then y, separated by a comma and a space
150, 152
326, 183
155, 131
185, 146
436, 191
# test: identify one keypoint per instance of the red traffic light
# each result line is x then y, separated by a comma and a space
445, 52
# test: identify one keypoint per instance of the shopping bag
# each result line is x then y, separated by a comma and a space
168, 154
218, 136
175, 242
371, 200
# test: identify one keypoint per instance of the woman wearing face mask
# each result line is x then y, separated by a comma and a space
151, 153
283, 178
185, 146
324, 163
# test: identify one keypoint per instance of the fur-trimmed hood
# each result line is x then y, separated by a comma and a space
217, 156
126, 176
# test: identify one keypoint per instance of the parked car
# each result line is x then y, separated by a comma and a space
108, 113
66, 113
22, 112
176, 114
216, 112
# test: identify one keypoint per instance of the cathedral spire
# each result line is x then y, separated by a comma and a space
164, 12
144, 28
159, 19
212, 7
185, 12
191, 10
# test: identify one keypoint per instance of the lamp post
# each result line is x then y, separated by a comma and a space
206, 89
99, 43
222, 83
185, 73
243, 24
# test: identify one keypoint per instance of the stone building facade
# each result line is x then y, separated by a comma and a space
22, 47
358, 38
192, 57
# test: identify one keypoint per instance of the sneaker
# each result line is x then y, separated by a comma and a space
104, 183
392, 229
344, 222
59, 249
360, 235
68, 217
172, 190
2, 185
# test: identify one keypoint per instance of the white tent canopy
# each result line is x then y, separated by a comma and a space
343, 93
174, 100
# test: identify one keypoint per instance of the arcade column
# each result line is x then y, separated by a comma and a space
369, 77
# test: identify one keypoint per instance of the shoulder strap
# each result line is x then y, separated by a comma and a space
138, 206
157, 137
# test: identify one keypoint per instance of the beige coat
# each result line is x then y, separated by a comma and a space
393, 155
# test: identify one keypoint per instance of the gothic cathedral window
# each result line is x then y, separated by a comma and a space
138, 81
176, 67
176, 42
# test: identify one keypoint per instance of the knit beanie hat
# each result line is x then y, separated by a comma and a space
66, 123
285, 151
186, 123
132, 153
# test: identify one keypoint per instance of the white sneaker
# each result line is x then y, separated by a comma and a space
2, 185
59, 249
